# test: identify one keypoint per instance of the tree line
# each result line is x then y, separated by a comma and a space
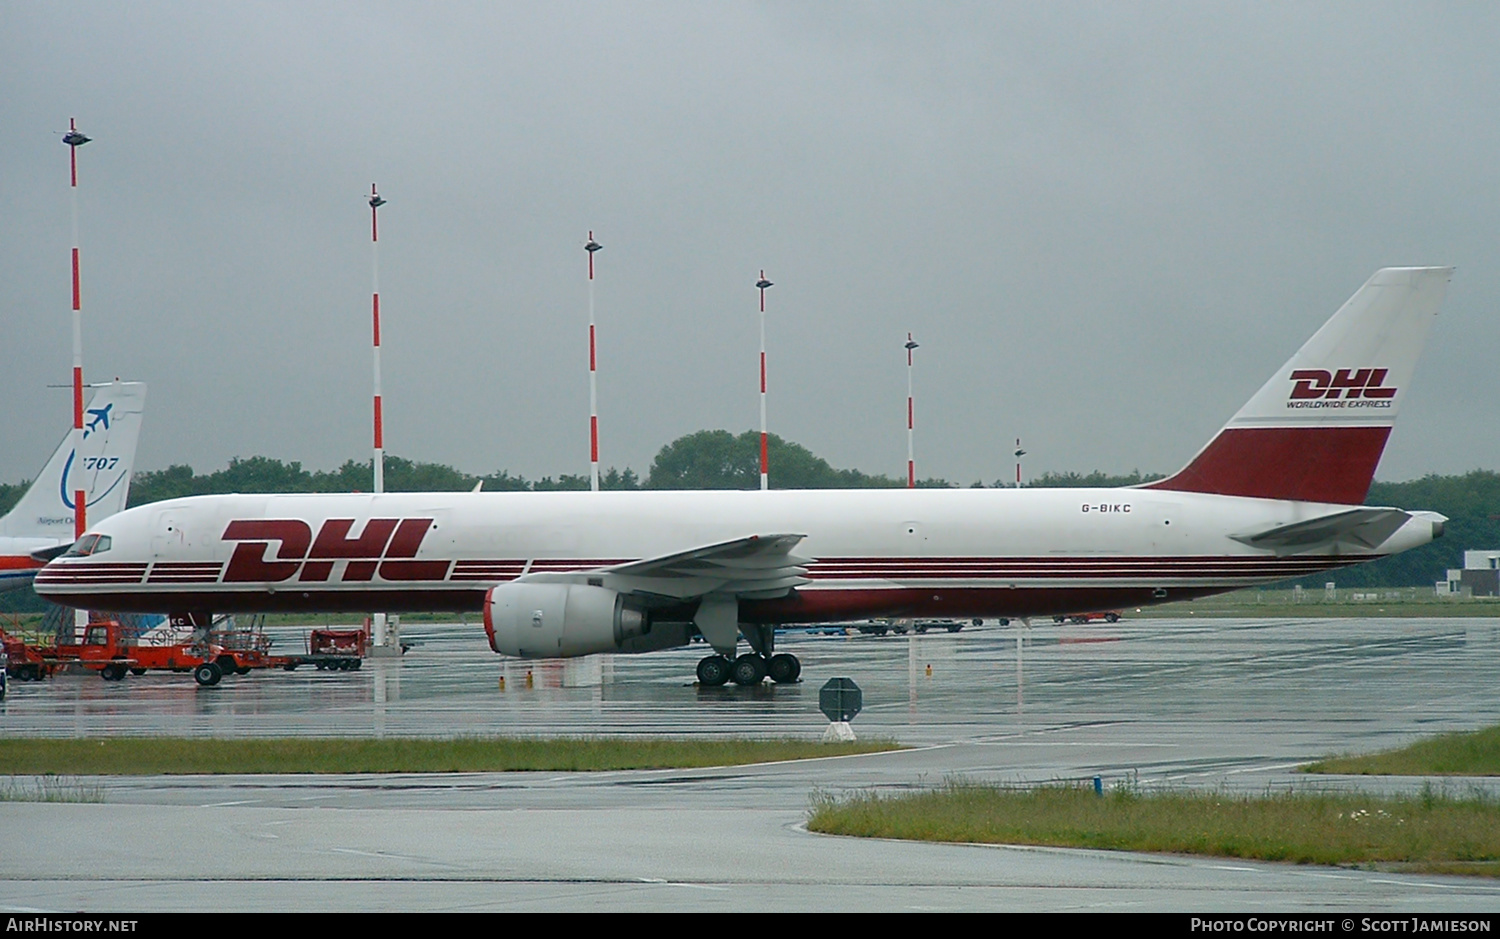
718, 459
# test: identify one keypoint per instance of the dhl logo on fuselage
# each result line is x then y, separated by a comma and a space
385, 544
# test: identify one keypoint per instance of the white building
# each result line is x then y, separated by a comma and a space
1479, 577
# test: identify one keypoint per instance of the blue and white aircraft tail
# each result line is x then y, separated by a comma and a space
101, 467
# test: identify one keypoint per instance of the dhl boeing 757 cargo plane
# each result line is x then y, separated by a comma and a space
1275, 494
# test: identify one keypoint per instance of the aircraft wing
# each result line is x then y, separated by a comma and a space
1363, 528
752, 568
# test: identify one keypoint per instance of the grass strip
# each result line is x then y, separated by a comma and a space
133, 756
1432, 832
1474, 753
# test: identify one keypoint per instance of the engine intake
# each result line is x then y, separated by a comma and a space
540, 621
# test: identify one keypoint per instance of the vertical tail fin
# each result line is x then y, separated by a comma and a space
1315, 431
101, 468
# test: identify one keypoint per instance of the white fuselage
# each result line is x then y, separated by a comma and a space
969, 552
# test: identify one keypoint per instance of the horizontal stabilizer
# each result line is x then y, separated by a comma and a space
46, 554
754, 567
1359, 528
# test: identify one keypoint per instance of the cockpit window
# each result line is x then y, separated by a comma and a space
87, 545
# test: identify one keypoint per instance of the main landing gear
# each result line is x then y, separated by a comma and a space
752, 668
717, 619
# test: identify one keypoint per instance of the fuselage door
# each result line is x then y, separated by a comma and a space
168, 534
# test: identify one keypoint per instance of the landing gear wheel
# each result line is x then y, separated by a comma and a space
112, 672
784, 668
207, 674
713, 671
749, 669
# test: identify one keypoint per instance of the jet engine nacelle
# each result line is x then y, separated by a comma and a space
542, 621
1422, 528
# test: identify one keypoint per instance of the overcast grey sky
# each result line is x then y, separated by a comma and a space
1106, 224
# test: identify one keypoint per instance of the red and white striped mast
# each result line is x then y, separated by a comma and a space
379, 458
1019, 453
74, 140
911, 458
765, 452
591, 247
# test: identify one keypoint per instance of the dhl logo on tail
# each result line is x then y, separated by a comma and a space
1318, 384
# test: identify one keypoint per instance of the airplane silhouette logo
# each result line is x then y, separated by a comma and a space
100, 416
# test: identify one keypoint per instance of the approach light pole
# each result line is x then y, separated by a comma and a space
592, 247
911, 456
379, 622
1019, 453
379, 459
74, 139
765, 452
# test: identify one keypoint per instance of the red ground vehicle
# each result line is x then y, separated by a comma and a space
337, 649
1109, 616
115, 650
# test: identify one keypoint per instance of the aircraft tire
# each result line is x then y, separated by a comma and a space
748, 670
207, 674
713, 671
784, 668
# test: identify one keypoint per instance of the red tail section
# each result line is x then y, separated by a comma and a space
1330, 464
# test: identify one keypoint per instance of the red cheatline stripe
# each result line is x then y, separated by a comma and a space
1093, 559
18, 563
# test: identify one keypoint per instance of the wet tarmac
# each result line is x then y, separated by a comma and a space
1229, 703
